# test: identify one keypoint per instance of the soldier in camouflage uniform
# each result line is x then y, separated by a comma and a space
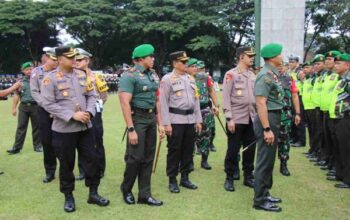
284, 139
206, 90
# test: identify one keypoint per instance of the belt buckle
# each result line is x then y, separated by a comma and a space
28, 104
150, 110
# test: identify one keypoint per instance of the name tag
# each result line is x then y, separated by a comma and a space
178, 85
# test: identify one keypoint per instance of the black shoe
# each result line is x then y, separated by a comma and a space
297, 144
38, 149
342, 186
13, 151
173, 187
333, 178
331, 173
321, 163
326, 167
150, 201
229, 186
95, 198
249, 182
48, 178
284, 169
69, 203
236, 175
212, 148
267, 206
80, 177
185, 182
129, 198
273, 199
204, 163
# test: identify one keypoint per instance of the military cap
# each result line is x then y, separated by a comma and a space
307, 63
332, 53
343, 57
293, 57
142, 51
27, 65
192, 61
179, 55
50, 51
65, 51
81, 54
271, 50
200, 64
318, 58
246, 50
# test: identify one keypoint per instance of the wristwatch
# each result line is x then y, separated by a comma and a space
267, 129
131, 129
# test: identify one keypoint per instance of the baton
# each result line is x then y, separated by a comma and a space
126, 129
222, 125
249, 145
157, 156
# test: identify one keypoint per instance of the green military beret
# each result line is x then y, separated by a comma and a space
200, 64
192, 61
332, 53
307, 63
26, 65
318, 58
142, 50
343, 57
271, 50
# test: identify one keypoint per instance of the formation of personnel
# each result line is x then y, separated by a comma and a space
266, 112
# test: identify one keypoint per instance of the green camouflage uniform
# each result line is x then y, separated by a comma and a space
286, 119
204, 84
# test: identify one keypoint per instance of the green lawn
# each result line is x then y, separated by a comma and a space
306, 194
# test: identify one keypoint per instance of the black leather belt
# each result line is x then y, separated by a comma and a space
180, 111
203, 106
29, 103
143, 110
275, 111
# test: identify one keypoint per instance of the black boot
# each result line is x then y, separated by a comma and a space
185, 182
95, 198
283, 168
229, 186
249, 180
173, 187
69, 203
204, 163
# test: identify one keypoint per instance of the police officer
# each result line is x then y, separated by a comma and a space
101, 88
269, 100
316, 96
339, 110
297, 131
330, 80
45, 120
70, 98
239, 109
140, 106
206, 91
181, 117
6, 92
28, 109
290, 96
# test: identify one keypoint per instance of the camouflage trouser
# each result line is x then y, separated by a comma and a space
203, 139
284, 135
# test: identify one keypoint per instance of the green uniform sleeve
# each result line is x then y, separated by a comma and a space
127, 83
263, 86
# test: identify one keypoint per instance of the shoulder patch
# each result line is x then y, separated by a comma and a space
228, 77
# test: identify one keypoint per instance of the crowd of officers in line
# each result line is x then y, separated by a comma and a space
65, 99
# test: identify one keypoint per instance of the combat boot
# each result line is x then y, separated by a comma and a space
185, 182
95, 198
204, 163
283, 168
173, 187
69, 203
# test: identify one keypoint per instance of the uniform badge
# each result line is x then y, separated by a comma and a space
65, 93
267, 80
178, 93
144, 88
46, 81
239, 92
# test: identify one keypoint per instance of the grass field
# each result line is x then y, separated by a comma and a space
306, 194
